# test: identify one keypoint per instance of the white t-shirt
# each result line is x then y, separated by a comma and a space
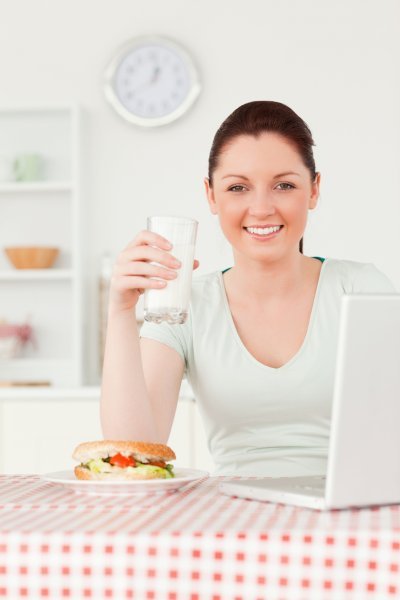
261, 420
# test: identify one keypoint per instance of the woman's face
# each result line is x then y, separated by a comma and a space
261, 192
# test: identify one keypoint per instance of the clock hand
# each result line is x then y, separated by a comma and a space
156, 73
154, 78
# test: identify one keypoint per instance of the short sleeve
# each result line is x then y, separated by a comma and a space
174, 336
370, 280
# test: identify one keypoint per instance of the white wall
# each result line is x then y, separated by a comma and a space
335, 63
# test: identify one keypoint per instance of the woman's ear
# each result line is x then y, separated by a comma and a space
210, 196
314, 192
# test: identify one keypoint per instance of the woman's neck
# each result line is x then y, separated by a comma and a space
256, 280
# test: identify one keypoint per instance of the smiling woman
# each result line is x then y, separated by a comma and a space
251, 121
259, 345
271, 202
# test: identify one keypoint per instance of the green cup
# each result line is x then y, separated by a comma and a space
28, 167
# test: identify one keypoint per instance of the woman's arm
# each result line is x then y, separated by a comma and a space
139, 393
141, 382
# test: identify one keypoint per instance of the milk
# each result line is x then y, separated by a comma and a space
172, 302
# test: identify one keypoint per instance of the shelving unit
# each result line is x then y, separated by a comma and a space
48, 213
41, 186
36, 275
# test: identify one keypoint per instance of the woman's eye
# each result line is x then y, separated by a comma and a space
291, 187
236, 188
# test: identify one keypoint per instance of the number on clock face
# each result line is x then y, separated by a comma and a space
152, 81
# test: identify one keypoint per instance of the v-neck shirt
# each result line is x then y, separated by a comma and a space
261, 420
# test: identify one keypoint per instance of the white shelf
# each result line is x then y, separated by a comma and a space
74, 393
36, 275
50, 393
13, 187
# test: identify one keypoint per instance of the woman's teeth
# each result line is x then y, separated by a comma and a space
263, 231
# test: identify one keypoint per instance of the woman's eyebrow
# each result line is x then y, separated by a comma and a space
287, 173
275, 176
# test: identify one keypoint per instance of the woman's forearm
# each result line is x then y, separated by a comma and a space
125, 407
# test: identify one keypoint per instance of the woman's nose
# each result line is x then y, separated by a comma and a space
262, 204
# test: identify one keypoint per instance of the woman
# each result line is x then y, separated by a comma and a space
260, 342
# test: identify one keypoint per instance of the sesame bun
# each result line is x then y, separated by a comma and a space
141, 451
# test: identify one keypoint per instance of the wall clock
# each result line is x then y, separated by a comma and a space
151, 81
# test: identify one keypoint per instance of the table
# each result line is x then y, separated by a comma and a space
192, 544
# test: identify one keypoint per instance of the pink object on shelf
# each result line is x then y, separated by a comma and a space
23, 332
13, 338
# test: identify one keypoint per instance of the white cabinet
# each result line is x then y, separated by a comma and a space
43, 213
39, 431
39, 436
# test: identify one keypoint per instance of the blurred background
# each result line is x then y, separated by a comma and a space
77, 177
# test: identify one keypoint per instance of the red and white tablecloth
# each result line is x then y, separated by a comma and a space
192, 544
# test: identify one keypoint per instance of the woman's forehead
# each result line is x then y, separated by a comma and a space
268, 151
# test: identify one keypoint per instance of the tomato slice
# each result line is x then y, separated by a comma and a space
119, 460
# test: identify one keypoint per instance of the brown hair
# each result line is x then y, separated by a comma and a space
255, 118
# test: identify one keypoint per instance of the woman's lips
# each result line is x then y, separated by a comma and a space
265, 236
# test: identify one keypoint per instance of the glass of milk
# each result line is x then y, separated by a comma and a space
171, 303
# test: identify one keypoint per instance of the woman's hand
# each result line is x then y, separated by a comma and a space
133, 271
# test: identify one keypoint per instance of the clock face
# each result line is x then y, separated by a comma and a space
152, 82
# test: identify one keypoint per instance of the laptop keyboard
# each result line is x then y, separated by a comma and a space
298, 485
310, 484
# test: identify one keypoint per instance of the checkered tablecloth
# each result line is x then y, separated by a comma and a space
192, 544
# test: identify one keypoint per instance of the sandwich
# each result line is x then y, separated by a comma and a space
123, 460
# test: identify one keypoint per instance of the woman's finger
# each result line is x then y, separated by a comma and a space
132, 282
148, 253
144, 269
150, 238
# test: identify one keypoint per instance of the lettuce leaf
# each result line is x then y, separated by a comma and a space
99, 465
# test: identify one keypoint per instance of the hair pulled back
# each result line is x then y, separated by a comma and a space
260, 116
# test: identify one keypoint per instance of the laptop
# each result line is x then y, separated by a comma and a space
363, 466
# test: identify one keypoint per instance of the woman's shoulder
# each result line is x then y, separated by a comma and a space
358, 277
207, 290
206, 281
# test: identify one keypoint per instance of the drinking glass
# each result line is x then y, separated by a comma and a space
171, 303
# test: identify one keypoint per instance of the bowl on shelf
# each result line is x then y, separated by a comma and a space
32, 257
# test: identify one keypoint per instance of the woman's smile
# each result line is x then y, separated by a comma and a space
263, 233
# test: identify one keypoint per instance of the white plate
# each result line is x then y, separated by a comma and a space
68, 480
